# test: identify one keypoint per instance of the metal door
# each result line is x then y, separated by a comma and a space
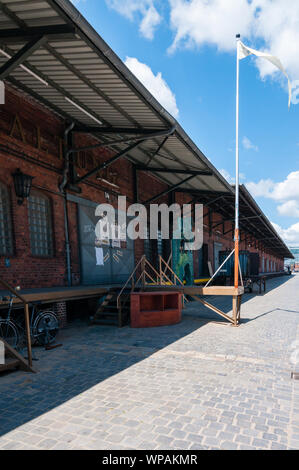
217, 249
200, 262
102, 263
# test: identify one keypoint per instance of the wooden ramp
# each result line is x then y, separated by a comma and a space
235, 293
213, 290
197, 292
45, 296
14, 360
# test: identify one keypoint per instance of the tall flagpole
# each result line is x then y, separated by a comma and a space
237, 233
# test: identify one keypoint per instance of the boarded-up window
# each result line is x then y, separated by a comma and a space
6, 237
40, 225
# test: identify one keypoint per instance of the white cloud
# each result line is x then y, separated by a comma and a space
231, 179
150, 20
271, 25
286, 193
290, 235
227, 176
200, 22
263, 188
287, 189
144, 10
154, 83
277, 23
289, 208
248, 145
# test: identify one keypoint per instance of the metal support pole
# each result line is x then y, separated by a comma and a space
62, 188
237, 236
28, 335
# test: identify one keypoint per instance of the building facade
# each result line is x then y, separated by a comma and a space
33, 235
79, 123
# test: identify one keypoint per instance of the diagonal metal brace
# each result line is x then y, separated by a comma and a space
21, 56
169, 190
108, 162
123, 140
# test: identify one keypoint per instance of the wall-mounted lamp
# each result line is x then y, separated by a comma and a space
22, 184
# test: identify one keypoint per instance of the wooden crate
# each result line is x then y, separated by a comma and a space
149, 309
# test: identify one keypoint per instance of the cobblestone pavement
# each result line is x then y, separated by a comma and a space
201, 384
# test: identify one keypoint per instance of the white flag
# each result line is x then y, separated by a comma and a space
245, 51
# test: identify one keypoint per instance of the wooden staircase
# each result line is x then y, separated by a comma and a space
13, 360
108, 312
114, 308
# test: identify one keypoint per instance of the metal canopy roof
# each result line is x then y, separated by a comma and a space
65, 65
252, 219
83, 73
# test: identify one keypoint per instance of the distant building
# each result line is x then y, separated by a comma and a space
293, 262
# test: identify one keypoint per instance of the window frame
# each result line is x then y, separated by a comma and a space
49, 205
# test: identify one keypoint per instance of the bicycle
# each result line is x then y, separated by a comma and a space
8, 329
44, 326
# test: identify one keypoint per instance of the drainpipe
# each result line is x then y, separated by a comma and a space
62, 188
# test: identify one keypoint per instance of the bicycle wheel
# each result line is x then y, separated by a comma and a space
45, 327
9, 332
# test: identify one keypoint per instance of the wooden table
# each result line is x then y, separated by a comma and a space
53, 295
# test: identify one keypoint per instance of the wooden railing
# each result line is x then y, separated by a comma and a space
141, 281
148, 276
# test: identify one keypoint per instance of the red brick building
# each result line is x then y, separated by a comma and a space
31, 139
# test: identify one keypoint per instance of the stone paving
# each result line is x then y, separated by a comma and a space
202, 384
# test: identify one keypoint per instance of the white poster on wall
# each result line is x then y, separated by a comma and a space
99, 256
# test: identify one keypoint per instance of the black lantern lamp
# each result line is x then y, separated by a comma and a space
22, 185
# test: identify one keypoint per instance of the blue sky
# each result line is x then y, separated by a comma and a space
184, 52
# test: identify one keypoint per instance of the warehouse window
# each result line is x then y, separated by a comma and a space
148, 247
40, 226
160, 243
6, 237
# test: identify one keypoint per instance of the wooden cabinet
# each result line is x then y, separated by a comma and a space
150, 309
